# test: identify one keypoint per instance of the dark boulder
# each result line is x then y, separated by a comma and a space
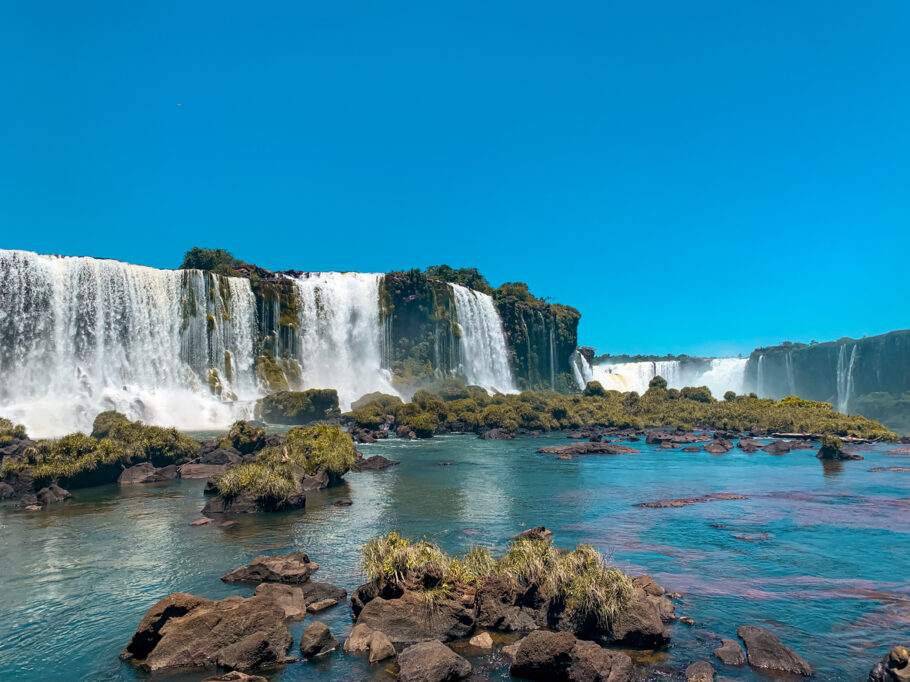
317, 640
186, 631
315, 592
229, 456
764, 650
7, 492
496, 434
202, 470
146, 472
557, 656
374, 463
777, 447
894, 667
52, 494
719, 446
536, 533
246, 503
832, 449
750, 446
407, 618
691, 448
730, 652
505, 605
587, 449
292, 569
431, 661
640, 623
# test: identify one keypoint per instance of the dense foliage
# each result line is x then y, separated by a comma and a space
115, 440
687, 409
580, 579
276, 471
298, 407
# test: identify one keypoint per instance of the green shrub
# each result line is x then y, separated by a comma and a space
321, 447
594, 388
657, 382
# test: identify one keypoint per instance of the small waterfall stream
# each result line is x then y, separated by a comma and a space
484, 354
845, 377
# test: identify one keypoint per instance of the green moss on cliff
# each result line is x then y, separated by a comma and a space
298, 407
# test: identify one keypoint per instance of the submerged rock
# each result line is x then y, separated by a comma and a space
686, 501
587, 449
730, 652
235, 676
496, 434
764, 650
374, 463
557, 656
317, 640
750, 446
202, 470
431, 661
147, 473
182, 630
247, 503
52, 494
719, 446
293, 568
777, 447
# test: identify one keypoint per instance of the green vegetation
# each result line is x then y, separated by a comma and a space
580, 580
298, 407
214, 260
115, 440
274, 475
243, 437
687, 409
10, 432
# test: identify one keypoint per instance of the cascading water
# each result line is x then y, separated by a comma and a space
581, 369
484, 355
340, 340
760, 377
635, 376
720, 376
791, 381
845, 377
83, 335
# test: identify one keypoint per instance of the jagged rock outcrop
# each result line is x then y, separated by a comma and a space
764, 650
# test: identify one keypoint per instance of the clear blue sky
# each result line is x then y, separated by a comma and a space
698, 177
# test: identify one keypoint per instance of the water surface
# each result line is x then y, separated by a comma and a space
816, 554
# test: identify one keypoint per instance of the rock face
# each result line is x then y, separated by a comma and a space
730, 652
52, 494
289, 598
894, 667
374, 463
317, 640
587, 449
202, 470
147, 473
777, 447
431, 662
702, 671
407, 619
292, 569
559, 656
186, 631
246, 503
764, 650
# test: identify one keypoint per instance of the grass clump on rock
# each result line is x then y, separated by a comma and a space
580, 580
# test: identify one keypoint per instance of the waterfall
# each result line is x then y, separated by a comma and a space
845, 377
581, 369
720, 376
83, 335
791, 382
724, 374
484, 356
339, 339
760, 378
552, 340
635, 376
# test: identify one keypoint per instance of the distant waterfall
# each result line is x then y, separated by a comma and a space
760, 377
484, 355
635, 376
340, 340
720, 376
552, 340
581, 369
83, 335
845, 377
791, 381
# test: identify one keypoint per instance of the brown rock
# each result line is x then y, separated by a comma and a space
381, 647
431, 661
293, 568
321, 605
317, 640
359, 639
702, 671
202, 470
587, 449
289, 598
764, 650
730, 652
481, 641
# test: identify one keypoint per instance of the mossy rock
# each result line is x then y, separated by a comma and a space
298, 407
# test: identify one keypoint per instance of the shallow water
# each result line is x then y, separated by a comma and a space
820, 557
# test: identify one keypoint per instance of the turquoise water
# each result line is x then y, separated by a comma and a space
818, 556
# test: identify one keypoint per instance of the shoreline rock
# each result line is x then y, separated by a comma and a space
290, 569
